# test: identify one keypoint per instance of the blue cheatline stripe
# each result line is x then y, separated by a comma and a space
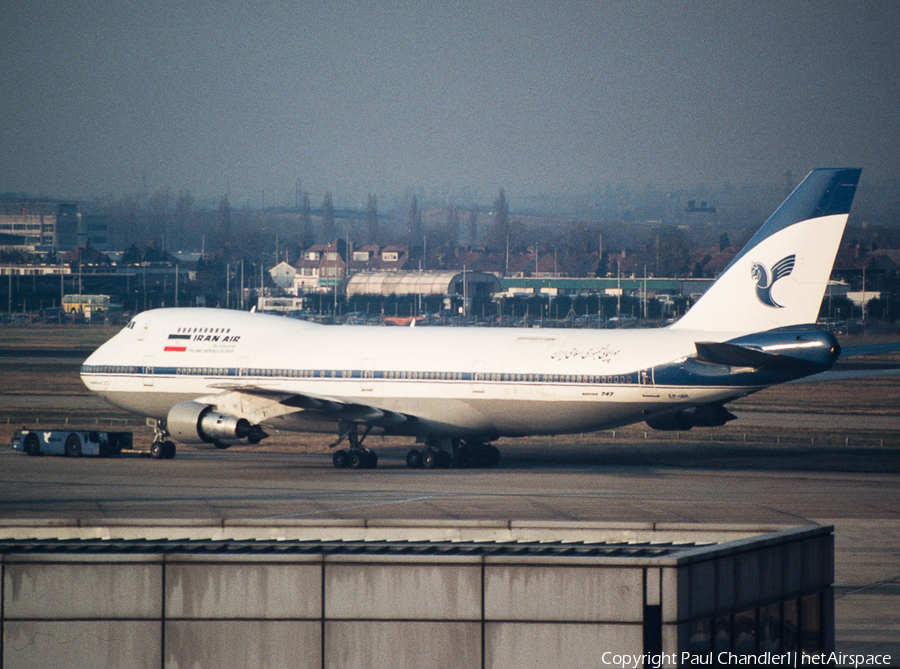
666, 376
365, 375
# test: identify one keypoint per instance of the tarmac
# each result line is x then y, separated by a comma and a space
690, 481
686, 484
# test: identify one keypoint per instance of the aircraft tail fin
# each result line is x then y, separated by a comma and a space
779, 278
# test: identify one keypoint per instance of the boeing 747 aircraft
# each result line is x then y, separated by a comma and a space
225, 377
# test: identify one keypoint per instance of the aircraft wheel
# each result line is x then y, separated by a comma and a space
156, 450
32, 445
485, 456
340, 459
430, 460
356, 459
371, 460
73, 445
462, 456
493, 456
414, 459
168, 450
221, 445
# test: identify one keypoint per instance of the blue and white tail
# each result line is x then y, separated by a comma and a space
779, 278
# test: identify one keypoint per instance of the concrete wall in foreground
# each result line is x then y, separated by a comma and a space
189, 611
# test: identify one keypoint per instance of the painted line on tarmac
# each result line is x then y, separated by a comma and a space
877, 584
350, 508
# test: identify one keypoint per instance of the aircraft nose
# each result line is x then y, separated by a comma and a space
92, 359
86, 367
90, 365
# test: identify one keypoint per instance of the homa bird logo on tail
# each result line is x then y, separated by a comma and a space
764, 284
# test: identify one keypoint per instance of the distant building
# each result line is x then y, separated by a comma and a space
34, 270
68, 223
48, 225
283, 275
279, 305
862, 297
472, 284
86, 255
94, 231
325, 267
321, 267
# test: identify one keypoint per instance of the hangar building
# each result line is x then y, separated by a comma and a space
472, 284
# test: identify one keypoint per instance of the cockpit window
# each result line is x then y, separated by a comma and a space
130, 325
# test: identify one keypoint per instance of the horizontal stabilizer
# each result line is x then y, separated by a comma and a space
720, 353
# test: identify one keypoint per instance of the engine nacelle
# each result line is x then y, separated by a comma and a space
705, 415
195, 423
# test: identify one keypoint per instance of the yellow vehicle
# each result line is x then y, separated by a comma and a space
85, 304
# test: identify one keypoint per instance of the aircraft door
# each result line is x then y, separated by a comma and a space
478, 376
648, 382
148, 370
242, 366
368, 374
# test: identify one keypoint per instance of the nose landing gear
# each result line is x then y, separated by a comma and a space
161, 448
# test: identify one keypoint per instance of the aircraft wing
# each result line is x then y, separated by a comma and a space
258, 402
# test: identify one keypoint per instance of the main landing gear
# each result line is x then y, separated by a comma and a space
462, 454
438, 453
357, 456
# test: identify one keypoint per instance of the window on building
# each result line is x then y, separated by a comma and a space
701, 637
745, 632
770, 629
722, 634
790, 631
810, 625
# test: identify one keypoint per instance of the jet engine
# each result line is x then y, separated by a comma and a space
705, 415
195, 423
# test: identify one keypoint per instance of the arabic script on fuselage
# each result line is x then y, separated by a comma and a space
598, 353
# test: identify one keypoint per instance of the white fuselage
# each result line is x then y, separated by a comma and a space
457, 381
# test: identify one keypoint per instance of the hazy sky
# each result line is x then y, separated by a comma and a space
97, 96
